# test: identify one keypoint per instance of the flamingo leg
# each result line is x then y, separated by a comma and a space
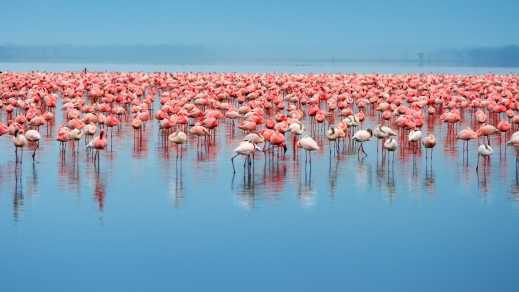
362, 148
35, 148
232, 162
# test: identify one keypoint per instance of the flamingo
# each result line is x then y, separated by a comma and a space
254, 138
486, 130
137, 125
98, 144
414, 137
75, 135
34, 137
297, 129
19, 141
429, 142
89, 130
391, 145
245, 148
309, 145
332, 134
3, 129
199, 131
277, 139
178, 138
382, 132
63, 137
362, 136
466, 135
484, 150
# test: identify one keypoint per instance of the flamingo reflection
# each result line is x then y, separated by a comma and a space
18, 192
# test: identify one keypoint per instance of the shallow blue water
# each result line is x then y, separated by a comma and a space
261, 67
145, 222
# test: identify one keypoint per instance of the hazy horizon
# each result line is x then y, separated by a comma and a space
268, 29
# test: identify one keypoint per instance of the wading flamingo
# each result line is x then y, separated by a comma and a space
19, 141
484, 150
33, 137
309, 145
362, 136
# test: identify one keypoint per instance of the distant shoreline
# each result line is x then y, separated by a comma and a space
502, 57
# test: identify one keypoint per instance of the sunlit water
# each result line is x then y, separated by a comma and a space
146, 221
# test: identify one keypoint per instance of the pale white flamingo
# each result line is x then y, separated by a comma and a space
484, 150
362, 136
34, 137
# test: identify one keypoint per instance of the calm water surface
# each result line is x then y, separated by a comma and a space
282, 67
145, 222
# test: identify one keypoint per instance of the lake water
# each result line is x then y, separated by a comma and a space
282, 67
146, 221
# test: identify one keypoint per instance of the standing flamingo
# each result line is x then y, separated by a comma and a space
391, 146
309, 145
34, 137
98, 143
178, 138
362, 136
486, 130
414, 138
484, 150
19, 141
332, 134
75, 135
90, 130
466, 135
428, 143
382, 132
246, 149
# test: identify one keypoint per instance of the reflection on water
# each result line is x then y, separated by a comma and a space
183, 213
333, 175
429, 181
176, 187
18, 192
205, 163
99, 191
305, 192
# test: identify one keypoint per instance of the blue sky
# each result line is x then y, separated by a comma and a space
323, 27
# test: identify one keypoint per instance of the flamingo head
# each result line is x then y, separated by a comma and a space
259, 148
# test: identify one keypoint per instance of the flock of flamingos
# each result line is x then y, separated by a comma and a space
274, 112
